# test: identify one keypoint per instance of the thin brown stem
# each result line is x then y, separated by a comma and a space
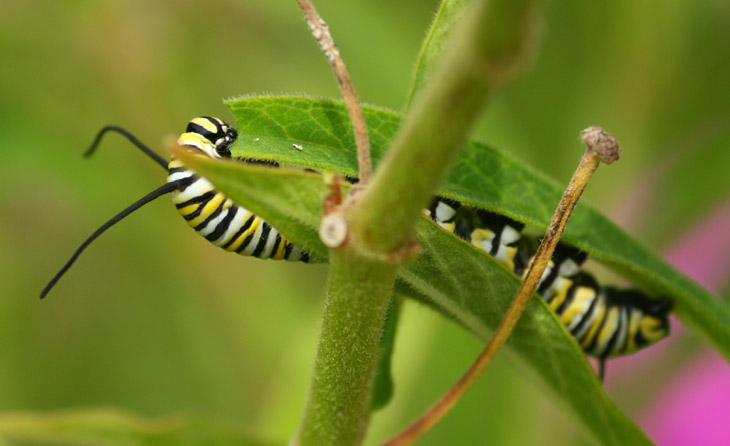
319, 29
600, 147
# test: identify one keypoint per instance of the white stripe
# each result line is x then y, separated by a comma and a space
241, 216
179, 176
266, 253
251, 247
199, 187
444, 212
623, 329
509, 235
591, 319
214, 223
569, 268
295, 254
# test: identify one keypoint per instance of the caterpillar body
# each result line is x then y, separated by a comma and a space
212, 214
605, 321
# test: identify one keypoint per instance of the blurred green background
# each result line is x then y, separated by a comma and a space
154, 320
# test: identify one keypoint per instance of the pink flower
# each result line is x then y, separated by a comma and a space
695, 410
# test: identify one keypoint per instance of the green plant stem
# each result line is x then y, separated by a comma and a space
348, 351
377, 223
485, 51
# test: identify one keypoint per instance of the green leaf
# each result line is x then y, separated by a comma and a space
115, 428
469, 287
453, 277
540, 346
383, 385
434, 44
483, 177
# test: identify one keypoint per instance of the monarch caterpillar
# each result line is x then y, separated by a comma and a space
605, 321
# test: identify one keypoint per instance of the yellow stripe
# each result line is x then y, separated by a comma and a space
560, 294
509, 257
207, 125
255, 224
609, 327
594, 326
209, 208
581, 301
448, 226
651, 328
634, 324
193, 139
231, 234
174, 162
281, 250
478, 236
189, 209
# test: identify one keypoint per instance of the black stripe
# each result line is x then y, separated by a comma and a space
305, 257
222, 225
277, 242
287, 249
601, 324
183, 183
197, 128
187, 182
497, 241
215, 122
197, 199
549, 280
620, 327
569, 294
263, 240
213, 215
246, 242
586, 318
247, 224
582, 279
639, 338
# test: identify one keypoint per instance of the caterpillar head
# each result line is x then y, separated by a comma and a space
211, 135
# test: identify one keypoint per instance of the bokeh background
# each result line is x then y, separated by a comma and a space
154, 320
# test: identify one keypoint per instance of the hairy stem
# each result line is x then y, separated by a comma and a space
348, 351
485, 51
371, 233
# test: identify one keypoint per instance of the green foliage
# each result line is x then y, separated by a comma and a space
484, 177
473, 289
115, 428
465, 284
439, 33
231, 336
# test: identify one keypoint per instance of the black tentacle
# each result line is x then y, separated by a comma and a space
160, 191
133, 139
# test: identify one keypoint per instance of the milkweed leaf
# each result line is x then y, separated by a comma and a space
455, 278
